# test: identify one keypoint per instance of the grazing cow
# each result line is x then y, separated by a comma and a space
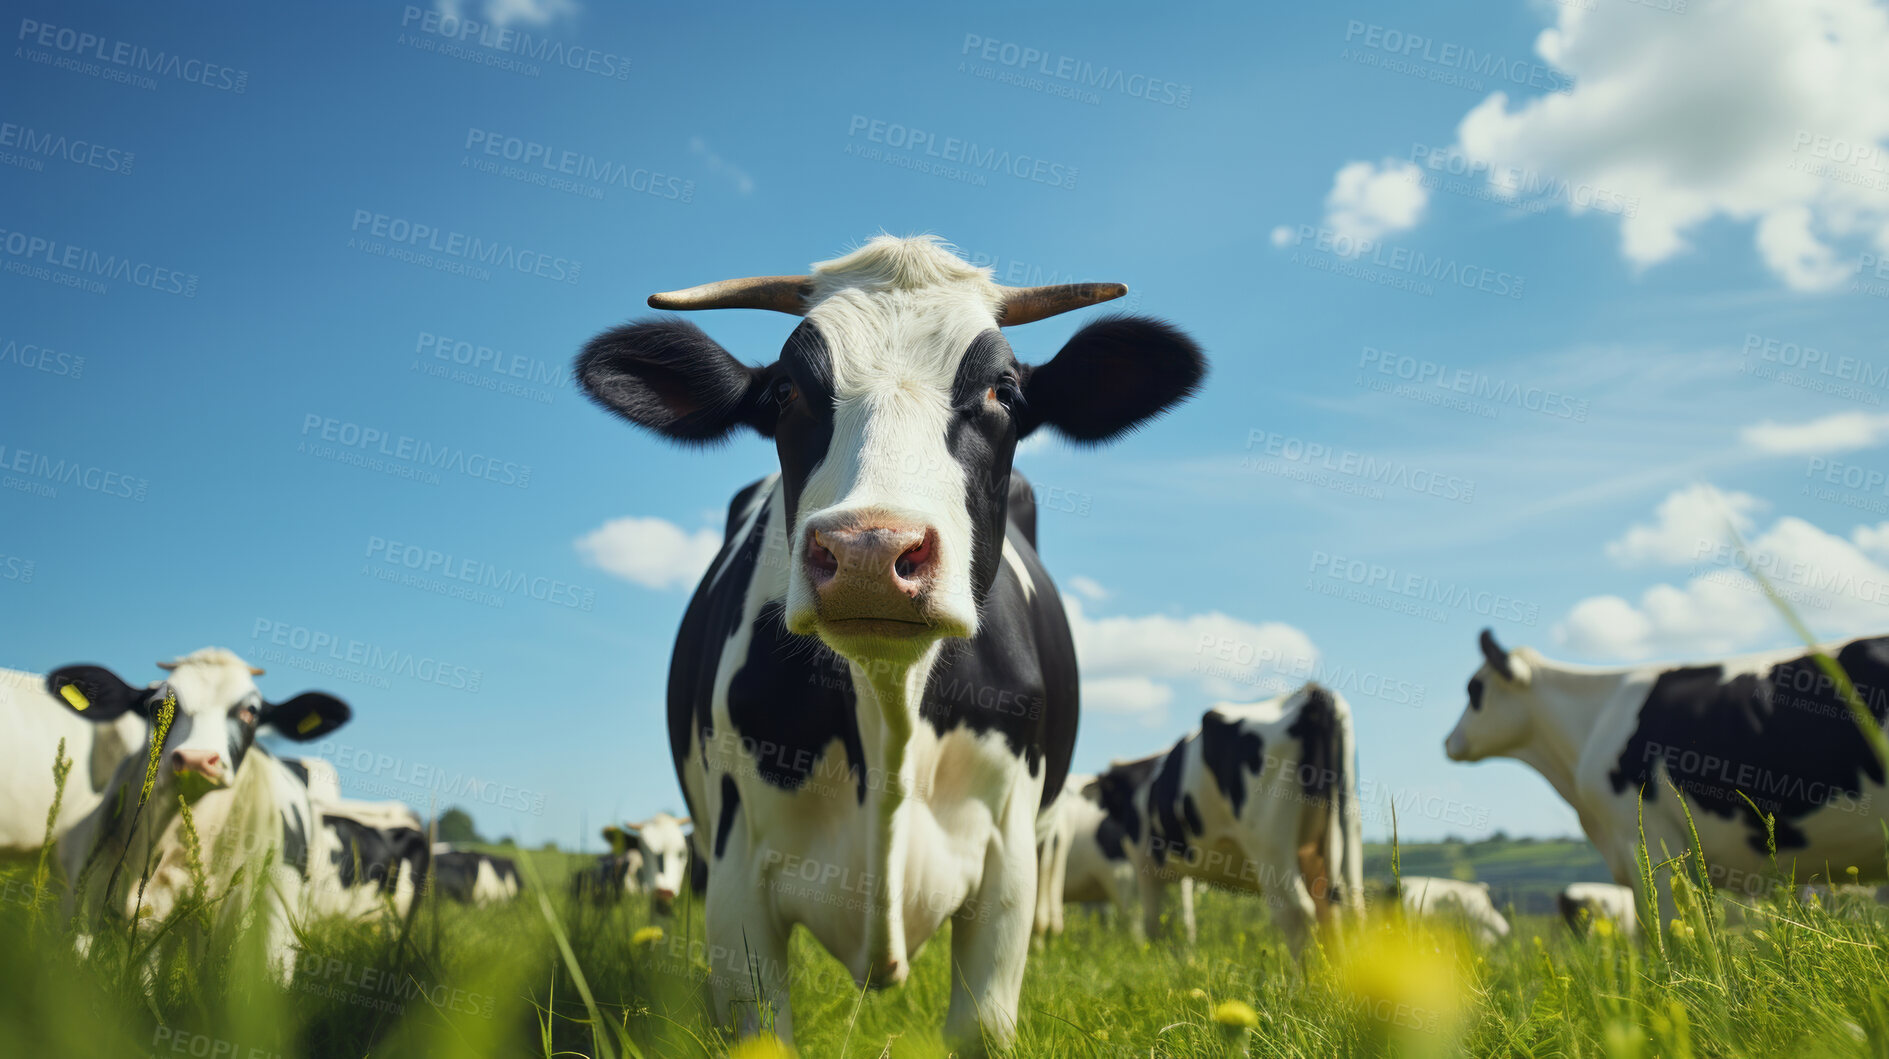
873, 691
35, 722
1261, 797
247, 804
476, 879
1771, 728
651, 857
1464, 904
1083, 857
1583, 904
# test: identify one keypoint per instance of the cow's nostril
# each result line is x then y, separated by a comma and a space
916, 558
820, 557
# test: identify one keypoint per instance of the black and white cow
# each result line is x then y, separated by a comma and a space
247, 804
370, 853
1261, 797
875, 684
472, 878
1770, 727
36, 723
1083, 857
651, 857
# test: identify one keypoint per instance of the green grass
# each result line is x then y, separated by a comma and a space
1788, 981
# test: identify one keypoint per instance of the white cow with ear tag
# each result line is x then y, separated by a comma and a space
252, 805
36, 723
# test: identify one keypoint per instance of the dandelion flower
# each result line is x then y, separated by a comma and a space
646, 936
1604, 928
1237, 1014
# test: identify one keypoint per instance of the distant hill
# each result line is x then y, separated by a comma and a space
1523, 872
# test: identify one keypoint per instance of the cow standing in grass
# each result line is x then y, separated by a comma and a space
1261, 797
873, 692
651, 857
1750, 739
253, 809
36, 722
1083, 858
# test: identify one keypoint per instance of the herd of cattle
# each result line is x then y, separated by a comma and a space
872, 699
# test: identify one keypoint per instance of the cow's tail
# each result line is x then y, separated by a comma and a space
1332, 785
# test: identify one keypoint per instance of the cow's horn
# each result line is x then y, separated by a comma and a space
256, 671
1497, 657
167, 666
1023, 305
783, 294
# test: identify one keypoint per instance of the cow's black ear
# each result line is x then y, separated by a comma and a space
1111, 376
96, 693
310, 715
666, 375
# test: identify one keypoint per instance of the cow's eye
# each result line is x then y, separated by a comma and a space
784, 392
1005, 392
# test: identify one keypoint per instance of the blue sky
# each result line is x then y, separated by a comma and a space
1700, 201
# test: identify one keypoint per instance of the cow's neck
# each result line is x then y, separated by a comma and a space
1567, 706
887, 700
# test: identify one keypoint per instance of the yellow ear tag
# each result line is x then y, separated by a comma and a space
73, 695
308, 724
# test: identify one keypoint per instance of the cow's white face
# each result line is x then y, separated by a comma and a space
1499, 716
895, 407
663, 867
217, 714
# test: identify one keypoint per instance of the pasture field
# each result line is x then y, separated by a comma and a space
1790, 981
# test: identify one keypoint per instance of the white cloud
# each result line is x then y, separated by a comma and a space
1837, 586
1089, 587
1749, 110
1127, 658
1687, 525
717, 164
504, 13
1129, 696
1369, 201
651, 552
1872, 539
1837, 432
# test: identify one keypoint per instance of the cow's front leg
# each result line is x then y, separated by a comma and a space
747, 953
990, 942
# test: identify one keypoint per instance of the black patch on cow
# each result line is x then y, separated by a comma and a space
1016, 678
295, 765
1165, 831
1229, 752
1118, 791
664, 374
1316, 729
1113, 839
730, 802
1785, 738
1475, 693
455, 873
375, 856
1112, 376
1192, 812
790, 701
294, 842
804, 426
982, 439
